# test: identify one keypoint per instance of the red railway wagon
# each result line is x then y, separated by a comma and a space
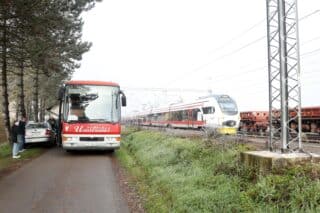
258, 121
310, 117
254, 121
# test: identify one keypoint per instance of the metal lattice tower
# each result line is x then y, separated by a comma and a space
284, 76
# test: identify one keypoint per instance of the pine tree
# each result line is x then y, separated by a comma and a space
39, 39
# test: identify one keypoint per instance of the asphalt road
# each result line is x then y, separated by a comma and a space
61, 182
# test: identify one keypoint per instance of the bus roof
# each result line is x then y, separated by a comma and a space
99, 83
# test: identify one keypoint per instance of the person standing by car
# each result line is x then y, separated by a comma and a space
54, 127
53, 124
14, 136
22, 133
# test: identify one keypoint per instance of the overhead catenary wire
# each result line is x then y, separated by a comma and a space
237, 37
309, 14
234, 51
304, 55
311, 40
218, 59
220, 77
311, 52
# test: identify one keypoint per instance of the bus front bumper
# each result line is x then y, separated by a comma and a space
108, 142
90, 146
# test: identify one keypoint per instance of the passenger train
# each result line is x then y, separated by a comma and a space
218, 113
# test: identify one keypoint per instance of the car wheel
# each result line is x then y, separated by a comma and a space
111, 151
53, 143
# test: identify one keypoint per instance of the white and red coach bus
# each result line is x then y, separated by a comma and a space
89, 115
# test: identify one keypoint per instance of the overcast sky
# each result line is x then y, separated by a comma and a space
187, 44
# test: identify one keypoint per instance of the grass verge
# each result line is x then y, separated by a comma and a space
7, 163
187, 175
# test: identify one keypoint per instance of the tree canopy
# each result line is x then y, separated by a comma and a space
40, 47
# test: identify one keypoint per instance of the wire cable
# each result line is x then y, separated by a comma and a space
236, 50
240, 35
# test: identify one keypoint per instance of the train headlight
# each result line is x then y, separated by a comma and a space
229, 123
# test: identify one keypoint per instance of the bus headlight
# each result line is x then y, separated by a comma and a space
69, 138
112, 139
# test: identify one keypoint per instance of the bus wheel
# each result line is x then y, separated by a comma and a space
109, 151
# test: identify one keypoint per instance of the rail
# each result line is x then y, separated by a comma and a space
241, 135
306, 137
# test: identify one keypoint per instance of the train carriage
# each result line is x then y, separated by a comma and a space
214, 112
258, 121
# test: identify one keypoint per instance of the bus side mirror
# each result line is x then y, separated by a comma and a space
60, 93
123, 99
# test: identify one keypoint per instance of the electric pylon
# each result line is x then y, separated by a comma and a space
284, 76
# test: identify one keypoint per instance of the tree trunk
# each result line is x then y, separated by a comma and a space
42, 107
17, 108
36, 96
29, 110
21, 104
4, 78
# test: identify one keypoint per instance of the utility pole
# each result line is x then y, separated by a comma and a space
284, 76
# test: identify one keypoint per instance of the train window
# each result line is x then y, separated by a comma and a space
166, 116
227, 105
179, 114
208, 110
176, 116
184, 115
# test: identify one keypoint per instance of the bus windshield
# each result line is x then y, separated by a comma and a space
227, 105
90, 103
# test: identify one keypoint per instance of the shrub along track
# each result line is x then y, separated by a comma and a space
174, 174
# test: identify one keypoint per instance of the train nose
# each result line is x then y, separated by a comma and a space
229, 123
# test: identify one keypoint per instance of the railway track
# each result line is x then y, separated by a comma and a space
311, 142
306, 137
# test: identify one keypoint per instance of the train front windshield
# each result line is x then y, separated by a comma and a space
227, 105
92, 104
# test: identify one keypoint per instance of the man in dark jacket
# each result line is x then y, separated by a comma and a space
22, 133
14, 136
53, 123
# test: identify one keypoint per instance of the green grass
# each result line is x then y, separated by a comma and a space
6, 160
187, 175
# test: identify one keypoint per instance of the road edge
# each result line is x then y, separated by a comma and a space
129, 192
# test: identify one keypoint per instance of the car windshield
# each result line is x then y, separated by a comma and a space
37, 125
90, 103
227, 105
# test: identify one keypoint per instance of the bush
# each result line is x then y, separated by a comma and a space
187, 175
